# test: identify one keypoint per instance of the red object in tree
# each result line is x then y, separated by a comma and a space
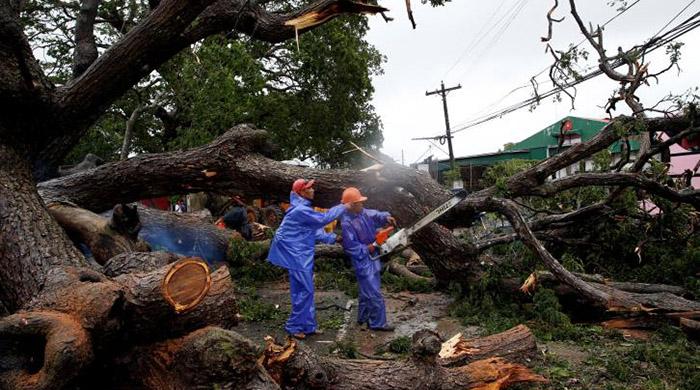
689, 144
567, 125
162, 203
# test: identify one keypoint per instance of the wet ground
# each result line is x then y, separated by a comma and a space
597, 360
337, 316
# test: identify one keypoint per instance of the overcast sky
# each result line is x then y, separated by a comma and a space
471, 43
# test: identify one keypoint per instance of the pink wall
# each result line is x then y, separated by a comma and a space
681, 163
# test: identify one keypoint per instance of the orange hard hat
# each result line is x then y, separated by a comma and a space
352, 195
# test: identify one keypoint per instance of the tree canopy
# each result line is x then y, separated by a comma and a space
313, 95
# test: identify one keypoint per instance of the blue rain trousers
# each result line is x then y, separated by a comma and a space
293, 248
303, 316
359, 231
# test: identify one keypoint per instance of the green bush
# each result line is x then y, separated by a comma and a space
334, 274
246, 264
346, 349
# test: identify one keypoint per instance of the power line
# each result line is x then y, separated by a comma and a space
474, 39
648, 47
674, 18
438, 147
528, 84
620, 13
424, 153
494, 39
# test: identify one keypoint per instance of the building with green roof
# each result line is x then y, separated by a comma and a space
545, 143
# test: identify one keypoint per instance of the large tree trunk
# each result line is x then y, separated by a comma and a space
233, 164
89, 312
212, 356
32, 245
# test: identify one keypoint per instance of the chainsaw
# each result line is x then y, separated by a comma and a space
387, 244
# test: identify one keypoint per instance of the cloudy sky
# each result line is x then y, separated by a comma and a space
493, 47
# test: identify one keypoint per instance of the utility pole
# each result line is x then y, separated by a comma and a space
443, 93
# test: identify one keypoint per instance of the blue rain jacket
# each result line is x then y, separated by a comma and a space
359, 231
293, 245
293, 249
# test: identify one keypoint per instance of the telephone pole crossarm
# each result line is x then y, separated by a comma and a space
443, 93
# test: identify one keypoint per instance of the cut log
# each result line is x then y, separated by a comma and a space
217, 356
399, 269
148, 314
420, 371
516, 344
138, 302
186, 284
127, 263
691, 327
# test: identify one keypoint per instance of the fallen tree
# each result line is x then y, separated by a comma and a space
408, 194
66, 323
394, 188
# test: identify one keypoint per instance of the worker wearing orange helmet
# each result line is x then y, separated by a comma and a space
359, 227
293, 248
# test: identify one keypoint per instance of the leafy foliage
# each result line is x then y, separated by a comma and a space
243, 269
346, 349
335, 274
626, 244
314, 98
400, 345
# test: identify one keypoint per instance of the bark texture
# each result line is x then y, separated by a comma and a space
516, 344
421, 371
106, 237
31, 242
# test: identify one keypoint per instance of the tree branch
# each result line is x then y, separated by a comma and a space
617, 179
551, 21
166, 30
24, 89
85, 47
254, 21
510, 210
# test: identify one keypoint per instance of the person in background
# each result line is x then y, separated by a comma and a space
237, 219
359, 227
180, 206
293, 248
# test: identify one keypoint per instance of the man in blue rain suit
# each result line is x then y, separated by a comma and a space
359, 227
293, 249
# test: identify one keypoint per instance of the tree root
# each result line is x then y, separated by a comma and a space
42, 350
